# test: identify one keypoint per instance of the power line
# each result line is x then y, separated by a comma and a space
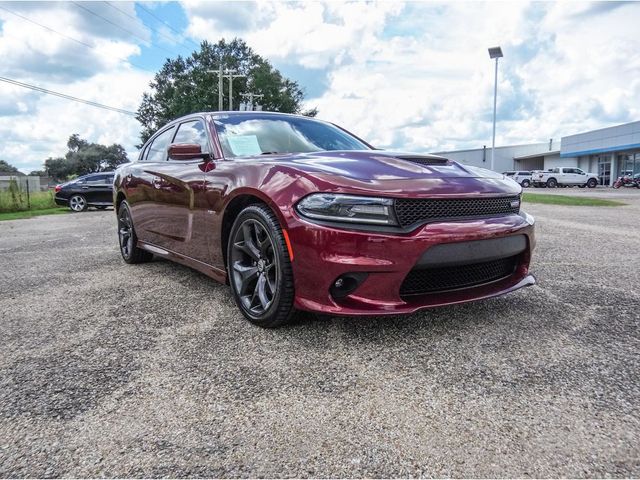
167, 24
136, 19
121, 28
80, 42
67, 97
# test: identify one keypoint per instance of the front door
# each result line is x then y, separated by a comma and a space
97, 190
179, 195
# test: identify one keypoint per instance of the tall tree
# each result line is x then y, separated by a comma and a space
187, 85
7, 167
84, 157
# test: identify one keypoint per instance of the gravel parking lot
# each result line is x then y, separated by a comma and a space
115, 370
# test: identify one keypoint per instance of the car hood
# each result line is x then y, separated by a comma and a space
397, 173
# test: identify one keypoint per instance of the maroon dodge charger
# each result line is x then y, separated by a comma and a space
299, 214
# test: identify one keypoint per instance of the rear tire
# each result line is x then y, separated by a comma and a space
259, 268
552, 183
592, 183
127, 238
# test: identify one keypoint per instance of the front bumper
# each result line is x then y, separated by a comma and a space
322, 254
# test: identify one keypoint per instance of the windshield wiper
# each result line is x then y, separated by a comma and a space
269, 153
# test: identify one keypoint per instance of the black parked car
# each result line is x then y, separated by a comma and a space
93, 190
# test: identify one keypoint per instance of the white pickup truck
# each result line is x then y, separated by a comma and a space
564, 176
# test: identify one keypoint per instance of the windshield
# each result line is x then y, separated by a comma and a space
259, 134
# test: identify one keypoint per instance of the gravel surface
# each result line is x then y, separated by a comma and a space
114, 370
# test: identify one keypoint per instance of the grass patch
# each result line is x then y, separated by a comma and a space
16, 200
32, 213
566, 200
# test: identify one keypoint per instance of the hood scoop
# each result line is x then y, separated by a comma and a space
424, 160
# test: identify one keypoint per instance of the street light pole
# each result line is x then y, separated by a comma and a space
494, 52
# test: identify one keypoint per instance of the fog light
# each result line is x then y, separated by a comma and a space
346, 284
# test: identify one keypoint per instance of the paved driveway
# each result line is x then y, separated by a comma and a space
117, 370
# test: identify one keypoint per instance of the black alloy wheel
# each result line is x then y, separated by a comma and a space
259, 267
592, 183
127, 238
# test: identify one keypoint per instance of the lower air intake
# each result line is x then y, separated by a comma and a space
441, 279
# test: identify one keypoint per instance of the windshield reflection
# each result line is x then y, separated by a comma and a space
255, 134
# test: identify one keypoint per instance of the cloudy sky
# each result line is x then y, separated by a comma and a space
412, 76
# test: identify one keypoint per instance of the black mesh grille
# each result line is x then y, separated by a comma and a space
410, 211
461, 276
425, 160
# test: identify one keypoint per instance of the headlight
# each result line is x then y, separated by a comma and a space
348, 208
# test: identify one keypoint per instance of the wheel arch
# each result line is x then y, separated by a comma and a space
235, 205
120, 197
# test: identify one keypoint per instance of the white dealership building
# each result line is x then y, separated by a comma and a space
608, 152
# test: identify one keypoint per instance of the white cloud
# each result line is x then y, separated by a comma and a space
418, 76
414, 76
35, 126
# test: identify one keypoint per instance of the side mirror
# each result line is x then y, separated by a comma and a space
186, 151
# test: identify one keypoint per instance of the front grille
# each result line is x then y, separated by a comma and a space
441, 279
412, 211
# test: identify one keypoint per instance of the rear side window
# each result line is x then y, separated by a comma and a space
193, 132
96, 179
158, 148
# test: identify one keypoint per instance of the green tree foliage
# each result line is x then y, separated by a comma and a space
84, 157
7, 167
187, 85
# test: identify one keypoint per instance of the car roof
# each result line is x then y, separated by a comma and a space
235, 113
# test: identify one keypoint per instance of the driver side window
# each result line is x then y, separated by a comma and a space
158, 148
193, 132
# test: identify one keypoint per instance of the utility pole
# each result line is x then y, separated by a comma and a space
231, 76
250, 97
220, 96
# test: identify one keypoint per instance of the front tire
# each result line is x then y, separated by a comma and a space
77, 203
127, 238
525, 183
260, 272
592, 183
